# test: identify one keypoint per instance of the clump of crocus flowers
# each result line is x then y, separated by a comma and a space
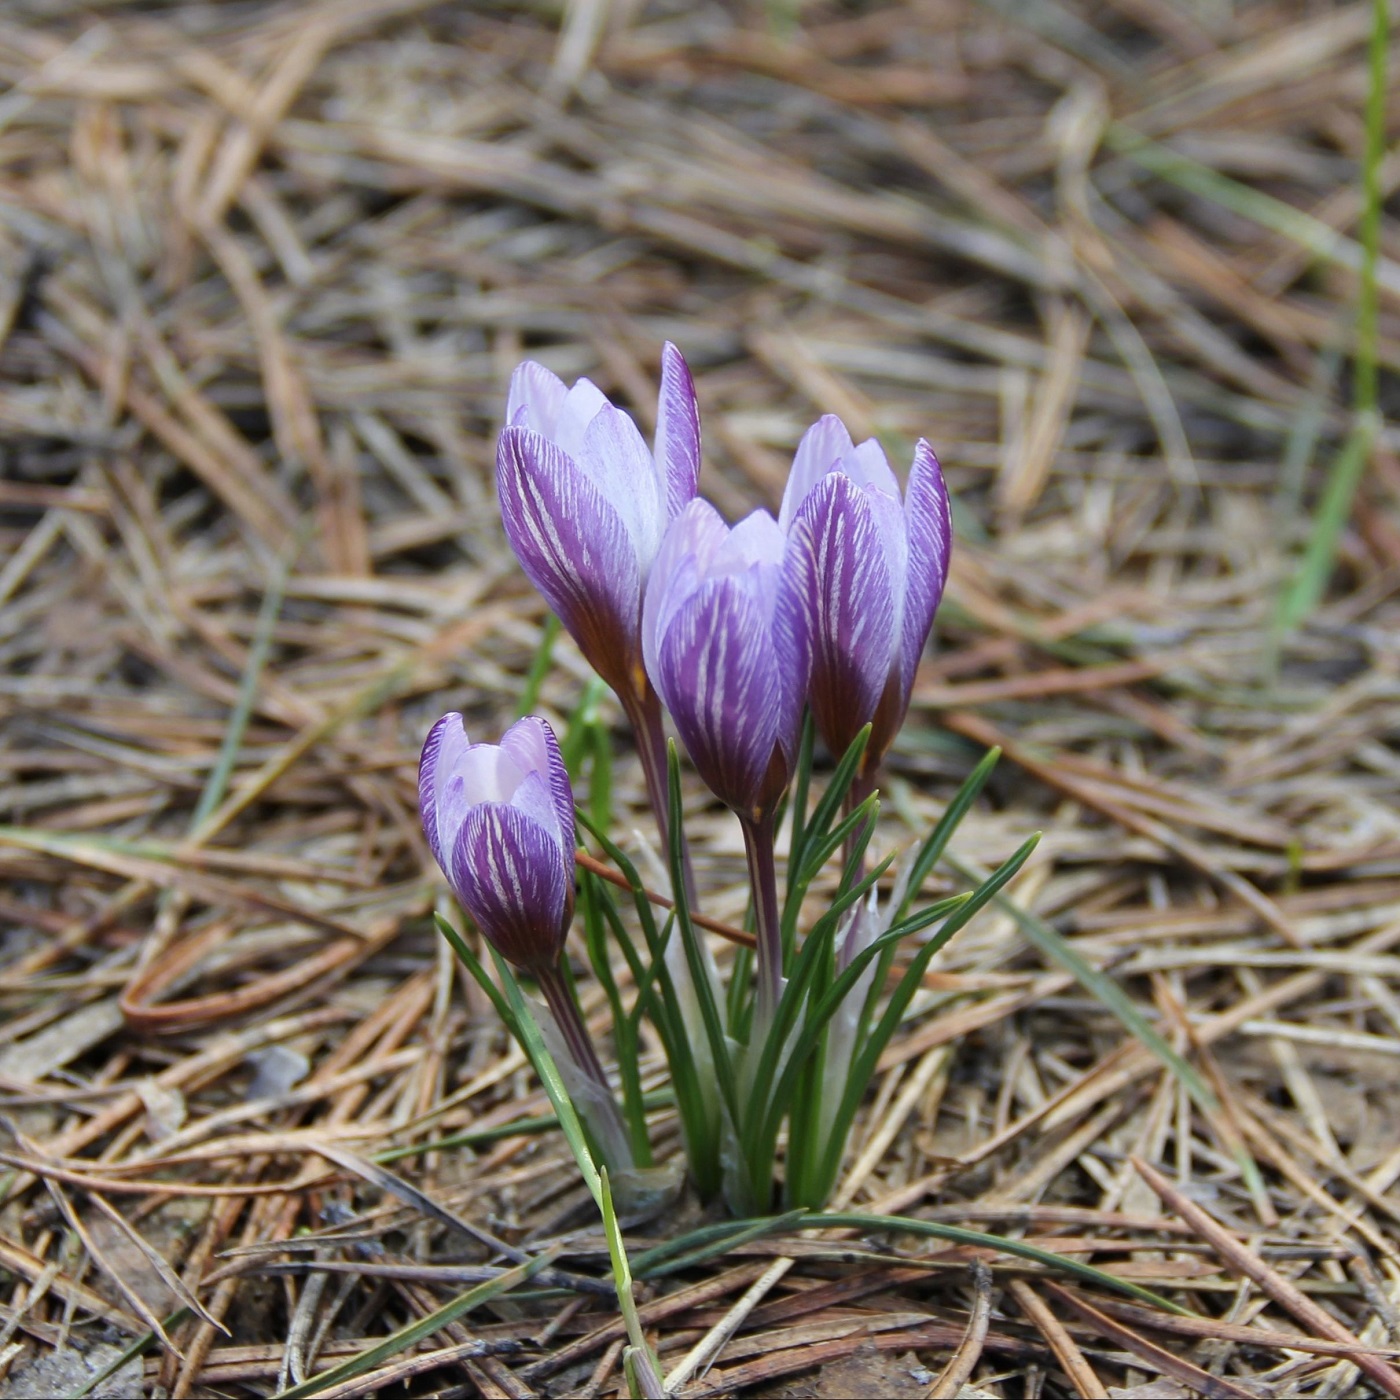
738, 632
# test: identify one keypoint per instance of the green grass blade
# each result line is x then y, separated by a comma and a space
1333, 512
936, 842
801, 787
957, 1234
624, 1027
1105, 989
709, 1242
690, 941
473, 965
873, 1046
216, 785
539, 666
415, 1332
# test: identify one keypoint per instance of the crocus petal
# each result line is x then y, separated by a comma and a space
510, 875
930, 525
535, 398
718, 676
580, 407
842, 582
575, 549
755, 540
792, 654
867, 465
615, 460
691, 541
824, 444
677, 431
530, 742
441, 803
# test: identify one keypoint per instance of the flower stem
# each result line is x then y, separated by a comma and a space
644, 714
763, 879
861, 788
580, 1047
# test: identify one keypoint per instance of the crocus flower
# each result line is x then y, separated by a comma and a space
585, 504
500, 820
725, 648
869, 569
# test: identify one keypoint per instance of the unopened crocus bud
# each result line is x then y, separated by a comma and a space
869, 569
725, 649
500, 820
585, 504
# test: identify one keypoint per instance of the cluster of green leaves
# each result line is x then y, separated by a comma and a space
737, 1089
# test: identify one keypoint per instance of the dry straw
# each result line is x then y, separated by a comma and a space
272, 262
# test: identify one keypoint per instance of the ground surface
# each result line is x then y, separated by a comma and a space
266, 268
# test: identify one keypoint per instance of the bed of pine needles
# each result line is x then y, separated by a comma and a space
264, 270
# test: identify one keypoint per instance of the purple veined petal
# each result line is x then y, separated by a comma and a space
892, 529
822, 446
511, 876
792, 650
718, 676
690, 542
615, 459
442, 804
535, 398
867, 465
930, 525
581, 405
574, 548
530, 742
677, 431
843, 585
533, 798
756, 539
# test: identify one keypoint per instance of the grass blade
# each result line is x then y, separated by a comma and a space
415, 1332
1102, 986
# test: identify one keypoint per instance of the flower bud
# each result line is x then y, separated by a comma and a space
500, 821
869, 570
585, 504
725, 649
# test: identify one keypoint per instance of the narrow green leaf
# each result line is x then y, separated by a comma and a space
216, 785
957, 1234
415, 1332
936, 842
801, 786
539, 666
873, 1045
533, 1042
704, 993
709, 1242
472, 963
1101, 985
624, 1027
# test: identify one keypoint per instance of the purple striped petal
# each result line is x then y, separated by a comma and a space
823, 445
535, 398
677, 431
530, 742
755, 541
792, 652
442, 802
575, 549
510, 875
693, 539
867, 465
581, 405
718, 676
842, 581
930, 524
616, 461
